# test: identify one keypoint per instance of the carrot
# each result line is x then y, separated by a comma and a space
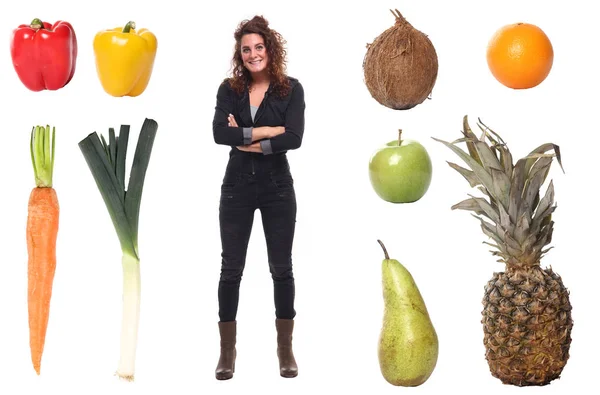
42, 230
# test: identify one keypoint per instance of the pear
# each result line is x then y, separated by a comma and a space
408, 342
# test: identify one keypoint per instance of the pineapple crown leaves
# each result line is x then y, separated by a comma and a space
514, 216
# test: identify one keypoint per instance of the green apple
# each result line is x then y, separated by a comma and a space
401, 171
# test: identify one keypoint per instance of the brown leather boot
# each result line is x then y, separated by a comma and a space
287, 362
226, 365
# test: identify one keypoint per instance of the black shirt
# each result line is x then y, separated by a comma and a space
285, 111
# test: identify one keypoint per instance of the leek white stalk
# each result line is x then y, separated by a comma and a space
131, 315
107, 164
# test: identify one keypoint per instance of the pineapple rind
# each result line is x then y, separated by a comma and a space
527, 313
527, 326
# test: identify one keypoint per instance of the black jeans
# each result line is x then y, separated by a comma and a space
251, 182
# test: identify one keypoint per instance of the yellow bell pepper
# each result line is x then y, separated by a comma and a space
124, 59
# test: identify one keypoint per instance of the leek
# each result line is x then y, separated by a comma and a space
107, 165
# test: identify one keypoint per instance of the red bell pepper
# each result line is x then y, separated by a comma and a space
44, 55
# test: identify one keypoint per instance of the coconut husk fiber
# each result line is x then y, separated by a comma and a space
400, 66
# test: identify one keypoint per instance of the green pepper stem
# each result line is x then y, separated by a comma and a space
37, 24
130, 25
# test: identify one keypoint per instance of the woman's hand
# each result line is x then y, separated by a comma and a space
232, 122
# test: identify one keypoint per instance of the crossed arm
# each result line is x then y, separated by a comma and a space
226, 131
257, 134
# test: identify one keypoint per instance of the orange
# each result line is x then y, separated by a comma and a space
520, 55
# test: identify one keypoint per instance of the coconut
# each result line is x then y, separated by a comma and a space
400, 66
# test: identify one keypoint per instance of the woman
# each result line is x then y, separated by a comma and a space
260, 114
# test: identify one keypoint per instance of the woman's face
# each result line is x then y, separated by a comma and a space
254, 53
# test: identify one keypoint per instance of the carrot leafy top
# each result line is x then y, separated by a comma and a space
42, 155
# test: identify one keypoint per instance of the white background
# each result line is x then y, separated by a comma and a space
336, 255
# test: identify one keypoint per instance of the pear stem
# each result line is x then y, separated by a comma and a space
399, 136
384, 250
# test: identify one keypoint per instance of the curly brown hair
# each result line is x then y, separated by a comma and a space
275, 45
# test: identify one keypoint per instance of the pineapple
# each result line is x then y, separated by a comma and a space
526, 309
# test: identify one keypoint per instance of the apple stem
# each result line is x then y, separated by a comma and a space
399, 136
384, 250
